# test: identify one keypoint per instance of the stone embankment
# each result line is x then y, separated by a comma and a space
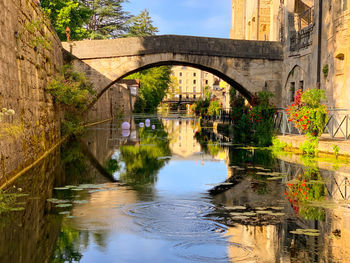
30, 54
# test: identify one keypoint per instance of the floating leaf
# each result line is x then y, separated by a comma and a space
77, 189
80, 202
61, 188
249, 214
236, 207
57, 201
14, 209
277, 207
275, 178
64, 213
63, 205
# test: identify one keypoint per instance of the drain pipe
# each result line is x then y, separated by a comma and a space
258, 21
319, 46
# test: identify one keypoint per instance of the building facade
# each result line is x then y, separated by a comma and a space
191, 82
254, 19
316, 40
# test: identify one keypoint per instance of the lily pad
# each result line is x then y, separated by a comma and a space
61, 188
277, 214
57, 201
77, 189
15, 209
63, 205
236, 208
64, 213
277, 207
275, 178
80, 201
249, 214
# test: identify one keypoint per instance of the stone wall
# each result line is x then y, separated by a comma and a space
30, 53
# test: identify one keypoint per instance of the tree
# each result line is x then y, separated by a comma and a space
154, 83
141, 25
68, 13
173, 87
109, 20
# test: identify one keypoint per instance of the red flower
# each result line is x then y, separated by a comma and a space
305, 117
296, 114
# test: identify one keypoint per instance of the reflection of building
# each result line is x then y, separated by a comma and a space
191, 82
120, 98
182, 141
263, 239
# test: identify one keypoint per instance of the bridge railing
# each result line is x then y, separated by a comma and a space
337, 126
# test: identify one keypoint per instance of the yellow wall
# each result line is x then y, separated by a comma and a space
192, 81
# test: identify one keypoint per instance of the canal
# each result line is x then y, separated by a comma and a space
172, 191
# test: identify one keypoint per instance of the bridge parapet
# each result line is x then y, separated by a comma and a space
121, 47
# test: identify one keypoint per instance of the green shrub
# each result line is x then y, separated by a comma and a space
214, 108
74, 93
310, 146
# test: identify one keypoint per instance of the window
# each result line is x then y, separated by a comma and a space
187, 97
180, 81
194, 96
194, 89
206, 82
344, 5
301, 85
339, 64
180, 88
194, 81
194, 74
292, 91
180, 74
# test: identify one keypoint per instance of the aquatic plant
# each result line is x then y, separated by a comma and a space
336, 150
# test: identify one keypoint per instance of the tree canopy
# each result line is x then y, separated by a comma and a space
94, 19
68, 13
141, 25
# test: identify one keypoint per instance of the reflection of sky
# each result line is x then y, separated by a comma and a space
187, 177
142, 250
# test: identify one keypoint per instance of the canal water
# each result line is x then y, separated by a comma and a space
172, 191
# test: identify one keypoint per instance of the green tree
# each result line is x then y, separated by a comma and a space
153, 87
68, 13
109, 20
141, 25
154, 81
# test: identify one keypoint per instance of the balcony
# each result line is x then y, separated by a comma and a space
304, 24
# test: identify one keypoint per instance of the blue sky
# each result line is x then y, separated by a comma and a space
209, 18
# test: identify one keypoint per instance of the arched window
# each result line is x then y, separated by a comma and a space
339, 64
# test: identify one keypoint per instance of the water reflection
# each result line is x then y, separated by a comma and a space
261, 208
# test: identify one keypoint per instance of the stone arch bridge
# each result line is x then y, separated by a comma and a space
249, 66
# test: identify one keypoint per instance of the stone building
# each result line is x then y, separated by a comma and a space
316, 48
191, 82
254, 19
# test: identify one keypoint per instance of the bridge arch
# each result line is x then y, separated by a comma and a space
248, 66
231, 76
